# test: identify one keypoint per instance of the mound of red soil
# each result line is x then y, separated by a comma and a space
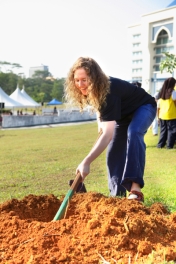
95, 229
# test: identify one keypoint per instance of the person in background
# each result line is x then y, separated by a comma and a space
124, 113
34, 112
55, 110
166, 112
155, 121
0, 120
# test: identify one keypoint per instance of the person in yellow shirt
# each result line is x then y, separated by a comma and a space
166, 112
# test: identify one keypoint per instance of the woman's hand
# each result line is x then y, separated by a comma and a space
98, 148
84, 169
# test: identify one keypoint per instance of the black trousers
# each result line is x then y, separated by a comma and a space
163, 134
171, 133
167, 133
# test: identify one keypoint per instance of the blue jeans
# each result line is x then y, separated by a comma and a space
126, 151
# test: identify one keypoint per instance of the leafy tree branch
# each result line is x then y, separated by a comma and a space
169, 63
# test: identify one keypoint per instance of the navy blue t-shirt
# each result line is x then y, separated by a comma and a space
124, 98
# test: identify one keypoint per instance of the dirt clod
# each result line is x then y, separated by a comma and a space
96, 229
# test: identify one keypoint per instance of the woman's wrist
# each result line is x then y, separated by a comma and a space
86, 161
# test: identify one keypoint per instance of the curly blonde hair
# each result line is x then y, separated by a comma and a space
98, 85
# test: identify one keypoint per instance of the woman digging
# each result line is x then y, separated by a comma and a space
124, 113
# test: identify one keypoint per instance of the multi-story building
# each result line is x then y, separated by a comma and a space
148, 40
32, 70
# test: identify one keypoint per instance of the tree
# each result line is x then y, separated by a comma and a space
33, 90
40, 88
46, 88
9, 66
40, 97
16, 65
8, 82
12, 82
41, 74
58, 88
169, 64
4, 64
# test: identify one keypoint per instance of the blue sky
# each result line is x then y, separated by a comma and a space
56, 32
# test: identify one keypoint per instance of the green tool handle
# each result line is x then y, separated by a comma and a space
61, 212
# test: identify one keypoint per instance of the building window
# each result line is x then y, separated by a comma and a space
136, 62
137, 53
163, 32
156, 68
135, 45
136, 36
164, 49
137, 70
166, 40
162, 45
161, 41
158, 59
158, 50
158, 42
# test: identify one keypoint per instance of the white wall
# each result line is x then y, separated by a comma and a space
63, 117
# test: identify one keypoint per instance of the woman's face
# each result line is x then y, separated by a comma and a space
81, 80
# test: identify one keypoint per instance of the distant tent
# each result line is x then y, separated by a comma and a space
19, 97
28, 97
9, 102
54, 102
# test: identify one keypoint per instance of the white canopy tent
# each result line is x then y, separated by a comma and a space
28, 97
9, 102
18, 96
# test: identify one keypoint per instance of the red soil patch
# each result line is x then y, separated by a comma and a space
95, 227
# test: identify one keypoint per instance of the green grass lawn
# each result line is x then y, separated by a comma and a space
41, 161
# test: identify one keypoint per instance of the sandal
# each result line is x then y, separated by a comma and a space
135, 195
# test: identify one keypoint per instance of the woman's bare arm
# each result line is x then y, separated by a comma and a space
98, 148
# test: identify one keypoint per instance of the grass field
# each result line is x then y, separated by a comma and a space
43, 160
